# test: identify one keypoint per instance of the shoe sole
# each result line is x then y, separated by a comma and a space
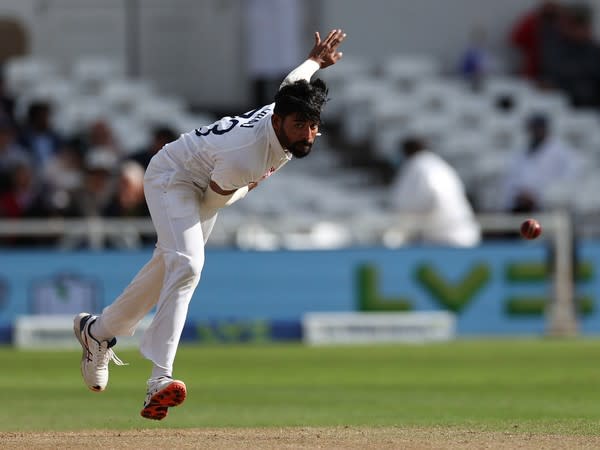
77, 329
168, 397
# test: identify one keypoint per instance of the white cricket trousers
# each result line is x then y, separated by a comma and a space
168, 280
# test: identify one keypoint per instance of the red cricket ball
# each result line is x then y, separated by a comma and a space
531, 229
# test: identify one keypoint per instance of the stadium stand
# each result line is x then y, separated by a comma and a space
375, 106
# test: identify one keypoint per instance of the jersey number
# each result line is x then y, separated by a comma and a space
232, 120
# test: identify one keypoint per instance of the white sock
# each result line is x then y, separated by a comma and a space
98, 330
158, 371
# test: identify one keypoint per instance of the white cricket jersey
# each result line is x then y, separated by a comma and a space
535, 173
233, 151
429, 186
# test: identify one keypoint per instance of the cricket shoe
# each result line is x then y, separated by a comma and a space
96, 354
163, 393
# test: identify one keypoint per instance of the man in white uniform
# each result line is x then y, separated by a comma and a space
429, 189
545, 162
185, 185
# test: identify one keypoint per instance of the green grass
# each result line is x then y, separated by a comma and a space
538, 386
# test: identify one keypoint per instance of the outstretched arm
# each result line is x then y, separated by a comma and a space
323, 54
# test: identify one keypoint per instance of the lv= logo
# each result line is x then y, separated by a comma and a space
450, 296
456, 295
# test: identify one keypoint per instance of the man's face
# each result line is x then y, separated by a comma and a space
295, 134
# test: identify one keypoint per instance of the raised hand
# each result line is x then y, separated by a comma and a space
325, 52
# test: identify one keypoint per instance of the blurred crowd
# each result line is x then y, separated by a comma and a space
555, 48
44, 174
558, 50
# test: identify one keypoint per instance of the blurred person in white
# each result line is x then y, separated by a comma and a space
272, 35
429, 189
545, 162
186, 184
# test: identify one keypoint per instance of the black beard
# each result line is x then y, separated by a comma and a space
300, 149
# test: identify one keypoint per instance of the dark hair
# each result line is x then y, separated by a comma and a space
538, 120
412, 144
37, 109
304, 98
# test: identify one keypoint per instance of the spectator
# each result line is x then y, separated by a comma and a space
533, 32
22, 197
7, 102
573, 64
101, 135
161, 136
63, 177
128, 200
98, 183
430, 188
65, 169
546, 161
477, 61
11, 153
38, 136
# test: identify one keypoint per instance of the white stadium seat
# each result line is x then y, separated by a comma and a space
92, 73
23, 73
407, 71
